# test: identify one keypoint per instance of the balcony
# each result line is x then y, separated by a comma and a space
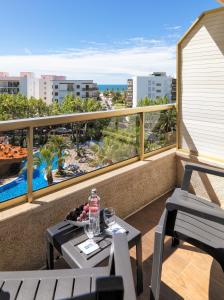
141, 179
144, 182
136, 180
90, 89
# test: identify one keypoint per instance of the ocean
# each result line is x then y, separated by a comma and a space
114, 87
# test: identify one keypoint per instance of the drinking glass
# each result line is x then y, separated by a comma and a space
89, 229
109, 216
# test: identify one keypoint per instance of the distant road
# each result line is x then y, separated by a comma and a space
106, 101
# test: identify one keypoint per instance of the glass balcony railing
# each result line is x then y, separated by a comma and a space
160, 129
38, 156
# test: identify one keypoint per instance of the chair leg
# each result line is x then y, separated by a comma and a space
157, 265
175, 242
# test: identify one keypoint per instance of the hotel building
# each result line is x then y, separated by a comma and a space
156, 85
26, 84
55, 88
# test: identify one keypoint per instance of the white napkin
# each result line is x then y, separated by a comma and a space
115, 228
88, 246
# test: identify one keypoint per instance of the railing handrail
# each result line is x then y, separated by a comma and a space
78, 117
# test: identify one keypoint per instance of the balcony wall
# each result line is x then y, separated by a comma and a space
22, 228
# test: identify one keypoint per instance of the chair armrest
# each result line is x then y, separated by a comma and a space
122, 264
205, 212
190, 167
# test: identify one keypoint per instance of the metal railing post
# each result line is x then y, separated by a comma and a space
30, 164
142, 136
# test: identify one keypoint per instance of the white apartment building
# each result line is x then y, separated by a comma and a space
26, 84
46, 87
49, 87
55, 88
156, 85
77, 88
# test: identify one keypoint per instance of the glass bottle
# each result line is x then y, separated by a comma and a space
94, 210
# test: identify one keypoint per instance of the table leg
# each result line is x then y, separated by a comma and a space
139, 266
50, 256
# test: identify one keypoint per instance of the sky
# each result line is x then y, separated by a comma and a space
108, 41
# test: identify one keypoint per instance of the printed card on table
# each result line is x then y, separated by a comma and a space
88, 247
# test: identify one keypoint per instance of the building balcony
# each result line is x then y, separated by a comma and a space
136, 185
138, 193
90, 89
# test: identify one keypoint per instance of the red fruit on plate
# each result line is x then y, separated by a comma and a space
86, 208
84, 213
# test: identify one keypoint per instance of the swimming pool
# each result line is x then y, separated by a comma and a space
18, 186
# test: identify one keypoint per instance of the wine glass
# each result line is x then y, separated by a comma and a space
90, 229
109, 216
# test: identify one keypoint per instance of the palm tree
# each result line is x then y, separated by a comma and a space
73, 105
166, 122
46, 157
112, 151
59, 145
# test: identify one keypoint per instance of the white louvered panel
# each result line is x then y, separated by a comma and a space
205, 94
202, 141
202, 87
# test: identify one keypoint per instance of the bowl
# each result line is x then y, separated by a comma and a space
79, 223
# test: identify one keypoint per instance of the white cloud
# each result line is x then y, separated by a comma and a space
27, 51
102, 65
144, 41
173, 28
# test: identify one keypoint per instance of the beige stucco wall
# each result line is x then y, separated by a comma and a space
22, 228
207, 186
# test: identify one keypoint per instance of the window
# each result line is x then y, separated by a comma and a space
56, 86
45, 93
56, 100
70, 87
56, 93
158, 84
78, 86
45, 82
63, 87
78, 94
158, 91
45, 98
13, 84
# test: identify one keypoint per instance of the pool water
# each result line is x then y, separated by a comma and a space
18, 186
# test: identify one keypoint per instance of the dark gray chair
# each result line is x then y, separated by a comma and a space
112, 282
189, 218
